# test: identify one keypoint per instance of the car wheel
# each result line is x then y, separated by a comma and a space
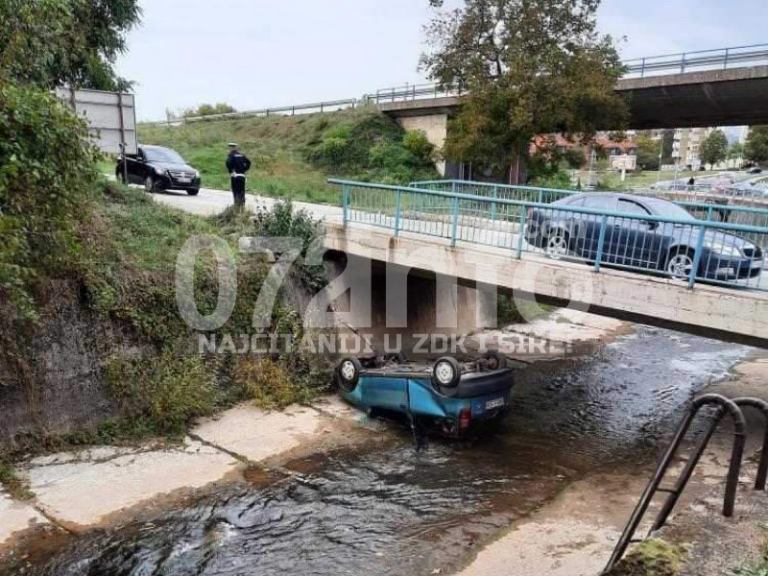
446, 375
149, 184
680, 264
193, 192
348, 372
557, 245
495, 360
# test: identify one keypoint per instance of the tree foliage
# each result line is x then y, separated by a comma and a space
209, 110
50, 43
529, 68
648, 152
47, 163
714, 149
47, 172
667, 146
756, 147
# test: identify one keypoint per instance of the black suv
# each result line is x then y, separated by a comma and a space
159, 169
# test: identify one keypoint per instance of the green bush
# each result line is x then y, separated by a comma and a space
165, 393
420, 148
47, 180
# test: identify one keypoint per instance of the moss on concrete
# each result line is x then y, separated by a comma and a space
654, 557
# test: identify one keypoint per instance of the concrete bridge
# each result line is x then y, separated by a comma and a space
713, 88
431, 245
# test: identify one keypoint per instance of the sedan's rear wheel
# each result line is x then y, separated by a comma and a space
557, 245
680, 265
149, 184
446, 375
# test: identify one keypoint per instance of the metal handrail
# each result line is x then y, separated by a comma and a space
319, 106
475, 219
711, 208
762, 470
574, 209
720, 57
732, 482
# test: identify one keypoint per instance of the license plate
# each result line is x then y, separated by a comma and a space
185, 180
493, 404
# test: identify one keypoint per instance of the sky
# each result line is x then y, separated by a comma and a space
267, 53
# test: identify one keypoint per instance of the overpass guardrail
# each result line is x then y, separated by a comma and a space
680, 63
689, 250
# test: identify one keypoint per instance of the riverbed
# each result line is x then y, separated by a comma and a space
548, 493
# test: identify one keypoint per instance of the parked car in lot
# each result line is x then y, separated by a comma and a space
448, 396
641, 243
158, 169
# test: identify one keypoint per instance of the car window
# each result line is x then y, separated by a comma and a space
632, 207
600, 203
163, 155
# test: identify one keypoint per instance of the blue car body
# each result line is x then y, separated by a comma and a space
408, 390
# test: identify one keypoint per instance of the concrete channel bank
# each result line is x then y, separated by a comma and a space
104, 486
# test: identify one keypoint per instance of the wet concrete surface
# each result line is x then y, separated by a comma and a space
561, 475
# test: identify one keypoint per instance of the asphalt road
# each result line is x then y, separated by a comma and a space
210, 202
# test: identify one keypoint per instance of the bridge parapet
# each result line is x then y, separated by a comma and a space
679, 246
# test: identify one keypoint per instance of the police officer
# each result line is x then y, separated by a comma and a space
237, 165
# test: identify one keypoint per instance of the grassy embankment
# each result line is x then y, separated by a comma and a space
293, 156
124, 268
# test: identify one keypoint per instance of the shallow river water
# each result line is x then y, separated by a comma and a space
388, 509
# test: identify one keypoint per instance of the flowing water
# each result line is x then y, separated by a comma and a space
389, 509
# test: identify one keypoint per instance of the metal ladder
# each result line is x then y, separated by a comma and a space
724, 406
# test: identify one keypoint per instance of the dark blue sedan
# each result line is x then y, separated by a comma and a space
641, 243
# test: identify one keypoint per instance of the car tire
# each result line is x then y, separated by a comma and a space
149, 185
557, 245
193, 192
446, 375
679, 263
495, 360
348, 373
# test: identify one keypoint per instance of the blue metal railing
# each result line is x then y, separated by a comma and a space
753, 214
687, 249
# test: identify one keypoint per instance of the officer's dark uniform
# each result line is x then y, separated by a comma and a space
238, 165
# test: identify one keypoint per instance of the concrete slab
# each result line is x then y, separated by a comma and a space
82, 492
569, 326
257, 434
16, 516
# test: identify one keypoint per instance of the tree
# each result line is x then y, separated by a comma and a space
667, 146
209, 110
51, 43
756, 147
736, 151
648, 153
714, 149
529, 68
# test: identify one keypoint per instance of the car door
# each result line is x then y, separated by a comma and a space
386, 392
633, 238
137, 167
589, 236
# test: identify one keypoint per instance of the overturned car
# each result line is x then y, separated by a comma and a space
448, 397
